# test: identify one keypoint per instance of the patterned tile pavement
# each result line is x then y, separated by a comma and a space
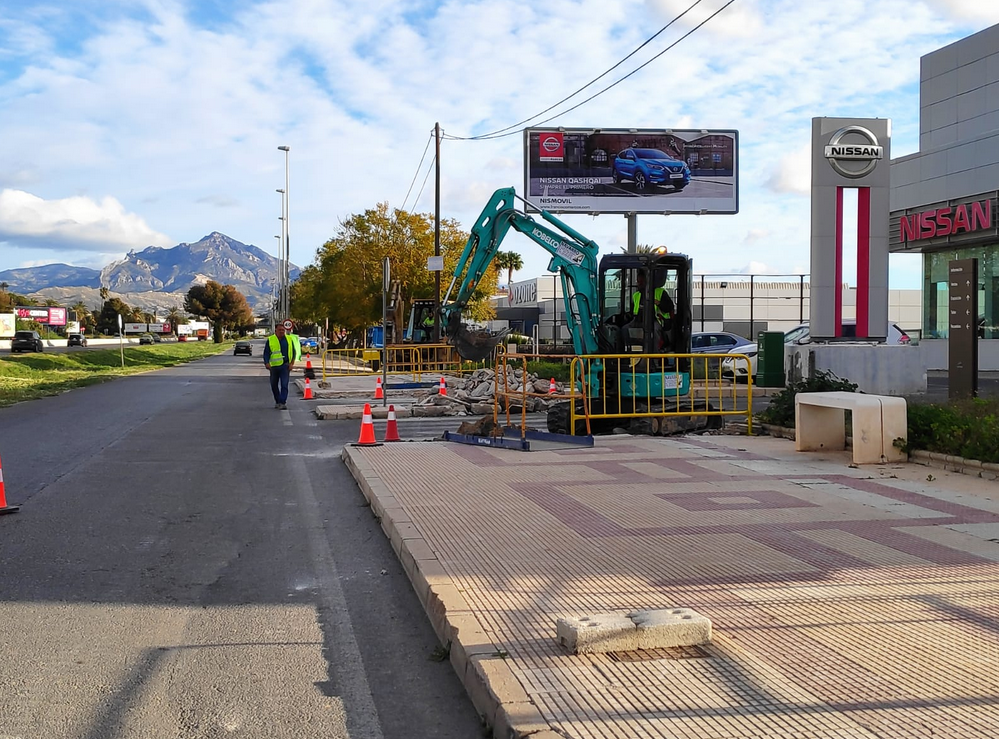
846, 602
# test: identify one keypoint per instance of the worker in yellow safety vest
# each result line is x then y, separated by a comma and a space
664, 311
281, 352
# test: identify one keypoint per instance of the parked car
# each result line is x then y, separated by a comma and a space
146, 339
715, 342
309, 344
157, 338
736, 367
26, 341
76, 340
243, 347
650, 167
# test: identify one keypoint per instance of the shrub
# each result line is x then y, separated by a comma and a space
546, 370
967, 428
780, 412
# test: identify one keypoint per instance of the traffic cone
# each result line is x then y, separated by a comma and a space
310, 374
308, 390
4, 508
392, 428
379, 393
442, 390
367, 437
551, 387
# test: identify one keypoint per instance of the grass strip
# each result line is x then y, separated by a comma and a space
30, 376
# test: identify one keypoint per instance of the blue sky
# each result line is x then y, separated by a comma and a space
155, 122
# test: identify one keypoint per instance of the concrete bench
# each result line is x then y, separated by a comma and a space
877, 421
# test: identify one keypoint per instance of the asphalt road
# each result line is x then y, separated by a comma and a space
190, 562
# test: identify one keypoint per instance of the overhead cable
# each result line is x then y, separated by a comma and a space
498, 135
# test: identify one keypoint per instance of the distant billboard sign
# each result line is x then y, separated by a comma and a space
57, 316
589, 170
46, 315
159, 328
135, 328
8, 325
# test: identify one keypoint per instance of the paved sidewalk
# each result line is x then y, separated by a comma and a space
846, 602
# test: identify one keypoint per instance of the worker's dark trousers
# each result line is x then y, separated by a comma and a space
279, 383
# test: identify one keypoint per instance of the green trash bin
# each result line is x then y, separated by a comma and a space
770, 359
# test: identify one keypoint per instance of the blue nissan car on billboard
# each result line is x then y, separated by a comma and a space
647, 168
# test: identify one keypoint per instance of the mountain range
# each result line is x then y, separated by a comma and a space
157, 278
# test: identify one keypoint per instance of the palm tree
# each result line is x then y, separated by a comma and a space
510, 261
174, 318
641, 248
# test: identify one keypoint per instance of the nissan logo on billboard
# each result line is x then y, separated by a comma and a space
854, 152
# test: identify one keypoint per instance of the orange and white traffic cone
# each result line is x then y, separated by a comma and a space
367, 437
392, 428
551, 387
308, 390
379, 392
4, 508
309, 373
442, 390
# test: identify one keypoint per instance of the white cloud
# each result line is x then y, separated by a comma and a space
986, 11
793, 174
76, 222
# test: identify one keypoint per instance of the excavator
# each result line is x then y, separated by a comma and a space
616, 306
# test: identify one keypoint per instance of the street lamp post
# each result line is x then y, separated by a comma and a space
287, 232
276, 298
282, 283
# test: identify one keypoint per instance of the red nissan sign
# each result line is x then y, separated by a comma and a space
552, 146
947, 221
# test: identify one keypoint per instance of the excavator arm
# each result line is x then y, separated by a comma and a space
572, 254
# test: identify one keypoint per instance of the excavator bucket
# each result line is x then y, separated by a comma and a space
476, 345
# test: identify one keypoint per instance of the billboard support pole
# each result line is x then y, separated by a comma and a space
632, 233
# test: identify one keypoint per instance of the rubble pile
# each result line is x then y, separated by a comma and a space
475, 394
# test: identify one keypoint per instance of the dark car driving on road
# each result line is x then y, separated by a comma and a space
76, 340
146, 339
650, 167
243, 347
26, 341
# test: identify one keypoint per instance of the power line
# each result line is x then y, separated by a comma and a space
594, 80
417, 172
429, 170
597, 94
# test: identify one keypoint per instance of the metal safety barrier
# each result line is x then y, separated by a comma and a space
403, 359
649, 386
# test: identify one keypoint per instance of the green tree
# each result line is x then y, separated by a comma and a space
175, 318
82, 315
223, 305
344, 284
511, 262
107, 319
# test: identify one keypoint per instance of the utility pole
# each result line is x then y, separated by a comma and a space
437, 231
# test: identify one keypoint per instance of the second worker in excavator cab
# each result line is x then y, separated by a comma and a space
664, 309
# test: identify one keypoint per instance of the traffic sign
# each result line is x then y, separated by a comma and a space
288, 325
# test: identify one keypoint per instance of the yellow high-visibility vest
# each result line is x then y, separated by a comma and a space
276, 359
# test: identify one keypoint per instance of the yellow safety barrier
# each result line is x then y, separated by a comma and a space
405, 359
708, 394
345, 362
635, 394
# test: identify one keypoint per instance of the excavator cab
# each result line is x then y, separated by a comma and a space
421, 322
645, 304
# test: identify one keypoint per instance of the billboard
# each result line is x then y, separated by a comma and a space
587, 170
47, 315
135, 328
8, 323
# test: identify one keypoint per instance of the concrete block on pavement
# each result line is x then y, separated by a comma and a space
671, 627
598, 632
625, 632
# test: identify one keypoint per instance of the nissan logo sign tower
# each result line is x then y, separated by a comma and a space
850, 153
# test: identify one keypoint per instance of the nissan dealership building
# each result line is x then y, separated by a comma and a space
944, 198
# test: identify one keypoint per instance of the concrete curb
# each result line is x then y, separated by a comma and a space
354, 412
950, 463
481, 666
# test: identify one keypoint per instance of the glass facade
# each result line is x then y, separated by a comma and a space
936, 293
